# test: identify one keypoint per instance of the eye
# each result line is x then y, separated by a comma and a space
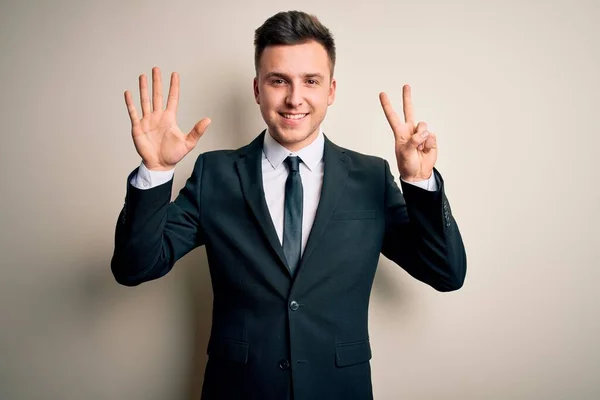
277, 81
312, 82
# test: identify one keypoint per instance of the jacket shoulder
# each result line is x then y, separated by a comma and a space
216, 157
231, 155
361, 160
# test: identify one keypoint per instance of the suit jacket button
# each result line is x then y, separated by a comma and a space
284, 364
294, 305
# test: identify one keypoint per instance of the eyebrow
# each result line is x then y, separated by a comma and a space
284, 76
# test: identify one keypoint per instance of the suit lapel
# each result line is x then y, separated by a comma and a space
336, 166
249, 169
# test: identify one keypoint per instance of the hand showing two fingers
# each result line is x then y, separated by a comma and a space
415, 146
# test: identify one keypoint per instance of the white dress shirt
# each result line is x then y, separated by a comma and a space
274, 174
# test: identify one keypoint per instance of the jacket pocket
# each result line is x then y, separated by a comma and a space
353, 214
352, 353
231, 350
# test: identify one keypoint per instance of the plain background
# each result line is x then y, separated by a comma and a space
511, 88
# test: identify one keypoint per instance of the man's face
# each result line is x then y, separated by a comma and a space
294, 89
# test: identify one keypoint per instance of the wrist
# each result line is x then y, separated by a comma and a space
416, 178
157, 167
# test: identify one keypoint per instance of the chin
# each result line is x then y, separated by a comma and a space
291, 136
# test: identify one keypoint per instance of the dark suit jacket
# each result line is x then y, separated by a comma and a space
270, 330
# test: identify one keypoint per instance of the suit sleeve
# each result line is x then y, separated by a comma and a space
421, 234
152, 232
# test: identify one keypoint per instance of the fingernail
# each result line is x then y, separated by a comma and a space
425, 133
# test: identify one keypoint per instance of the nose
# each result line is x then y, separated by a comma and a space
294, 97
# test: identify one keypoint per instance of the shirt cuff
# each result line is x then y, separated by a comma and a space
429, 184
146, 179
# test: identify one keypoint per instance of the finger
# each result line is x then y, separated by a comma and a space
156, 89
430, 143
390, 114
131, 109
173, 99
421, 126
197, 132
144, 100
420, 136
409, 114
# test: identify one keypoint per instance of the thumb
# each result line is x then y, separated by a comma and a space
421, 135
197, 132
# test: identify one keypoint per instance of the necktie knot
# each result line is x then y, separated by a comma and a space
293, 163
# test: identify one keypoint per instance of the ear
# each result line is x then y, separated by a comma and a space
256, 93
331, 97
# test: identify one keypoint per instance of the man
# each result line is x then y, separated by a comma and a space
293, 225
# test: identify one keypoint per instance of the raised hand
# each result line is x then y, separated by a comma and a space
156, 136
416, 147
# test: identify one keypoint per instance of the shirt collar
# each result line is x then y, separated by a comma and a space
310, 155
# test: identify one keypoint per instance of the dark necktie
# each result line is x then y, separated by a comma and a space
292, 217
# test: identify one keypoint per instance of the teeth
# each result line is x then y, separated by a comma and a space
294, 116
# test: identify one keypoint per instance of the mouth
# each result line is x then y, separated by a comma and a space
293, 117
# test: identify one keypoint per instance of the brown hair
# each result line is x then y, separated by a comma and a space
292, 27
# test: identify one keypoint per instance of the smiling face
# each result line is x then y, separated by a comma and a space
294, 88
